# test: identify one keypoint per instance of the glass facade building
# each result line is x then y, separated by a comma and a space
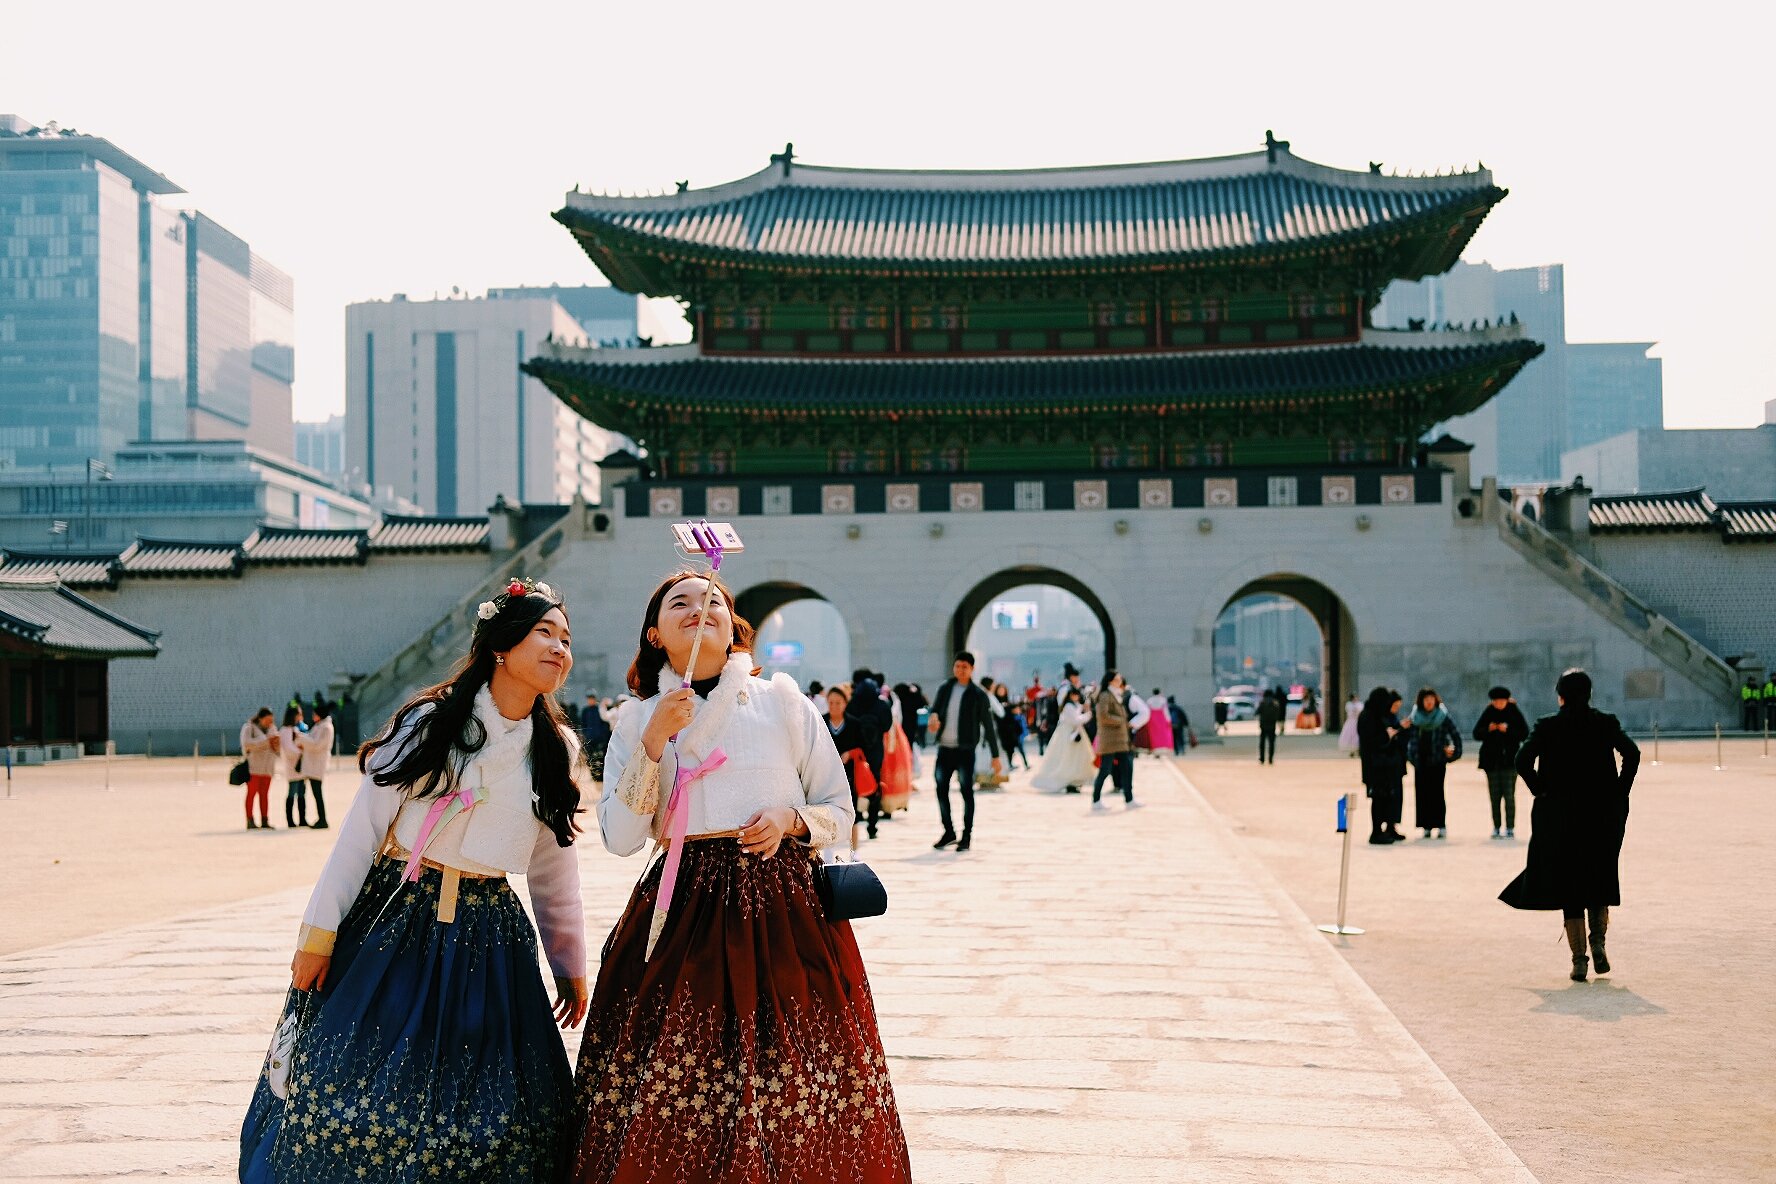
121, 320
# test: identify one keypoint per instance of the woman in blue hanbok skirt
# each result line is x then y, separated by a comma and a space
425, 1046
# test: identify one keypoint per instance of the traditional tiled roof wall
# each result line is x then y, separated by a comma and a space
1683, 510
266, 547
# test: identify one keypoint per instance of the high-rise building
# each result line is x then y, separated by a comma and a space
321, 446
1574, 394
1518, 435
437, 410
607, 316
121, 320
1612, 387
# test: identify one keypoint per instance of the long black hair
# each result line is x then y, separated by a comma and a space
445, 731
650, 659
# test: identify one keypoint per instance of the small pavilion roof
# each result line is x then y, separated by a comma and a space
1248, 208
613, 387
55, 619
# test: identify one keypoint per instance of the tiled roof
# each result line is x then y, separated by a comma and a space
58, 620
76, 571
1232, 207
430, 534
171, 557
295, 545
615, 379
1689, 509
1749, 520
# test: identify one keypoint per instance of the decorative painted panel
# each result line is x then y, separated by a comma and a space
1220, 491
1397, 490
1091, 495
903, 499
1028, 495
966, 495
776, 499
1338, 491
838, 499
666, 503
1156, 493
1283, 491
722, 499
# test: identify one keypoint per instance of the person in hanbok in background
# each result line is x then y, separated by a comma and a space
290, 734
1159, 723
1067, 764
732, 1035
317, 755
899, 763
427, 1050
1348, 740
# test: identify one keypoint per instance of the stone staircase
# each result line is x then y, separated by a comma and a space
427, 658
1676, 648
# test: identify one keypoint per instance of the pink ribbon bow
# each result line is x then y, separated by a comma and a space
678, 817
442, 811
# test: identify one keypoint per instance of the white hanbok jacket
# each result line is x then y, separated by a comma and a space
779, 753
500, 835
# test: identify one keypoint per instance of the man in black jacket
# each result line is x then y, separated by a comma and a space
1501, 730
959, 718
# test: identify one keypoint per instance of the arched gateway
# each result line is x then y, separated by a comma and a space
1155, 385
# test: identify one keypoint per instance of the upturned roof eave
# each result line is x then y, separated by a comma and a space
621, 252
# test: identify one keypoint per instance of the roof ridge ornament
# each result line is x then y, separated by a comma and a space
1272, 146
786, 158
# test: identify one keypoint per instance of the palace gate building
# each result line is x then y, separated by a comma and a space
1153, 385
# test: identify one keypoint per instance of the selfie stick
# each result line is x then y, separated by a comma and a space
706, 541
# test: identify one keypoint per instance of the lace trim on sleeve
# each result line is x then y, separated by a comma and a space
639, 788
823, 831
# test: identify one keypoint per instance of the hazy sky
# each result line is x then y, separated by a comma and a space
373, 148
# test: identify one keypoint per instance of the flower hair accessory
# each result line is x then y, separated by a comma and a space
519, 586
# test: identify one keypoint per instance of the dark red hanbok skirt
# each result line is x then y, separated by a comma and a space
745, 1049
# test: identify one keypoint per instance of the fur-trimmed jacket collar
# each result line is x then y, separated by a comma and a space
711, 719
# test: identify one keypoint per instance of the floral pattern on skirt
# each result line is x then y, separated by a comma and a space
431, 1056
746, 1048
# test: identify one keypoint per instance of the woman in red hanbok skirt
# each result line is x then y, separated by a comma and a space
732, 1036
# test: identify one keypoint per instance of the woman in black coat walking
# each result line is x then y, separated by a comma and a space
1580, 813
1435, 742
1381, 742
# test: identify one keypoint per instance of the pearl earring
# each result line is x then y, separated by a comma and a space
499, 659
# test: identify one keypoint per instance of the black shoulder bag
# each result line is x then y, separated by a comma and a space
849, 891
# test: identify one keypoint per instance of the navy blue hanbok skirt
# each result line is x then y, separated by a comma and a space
430, 1055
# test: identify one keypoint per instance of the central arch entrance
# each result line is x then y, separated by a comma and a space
800, 632
1259, 642
1033, 619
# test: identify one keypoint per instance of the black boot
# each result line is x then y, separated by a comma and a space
289, 814
948, 837
967, 838
1599, 926
1575, 938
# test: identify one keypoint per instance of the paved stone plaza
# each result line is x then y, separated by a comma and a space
1127, 996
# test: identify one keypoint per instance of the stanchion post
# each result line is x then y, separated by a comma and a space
1766, 733
9, 772
1346, 805
110, 747
196, 766
1655, 742
1718, 766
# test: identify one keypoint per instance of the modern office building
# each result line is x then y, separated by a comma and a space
438, 412
216, 490
124, 320
1733, 464
1611, 388
607, 316
1573, 394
